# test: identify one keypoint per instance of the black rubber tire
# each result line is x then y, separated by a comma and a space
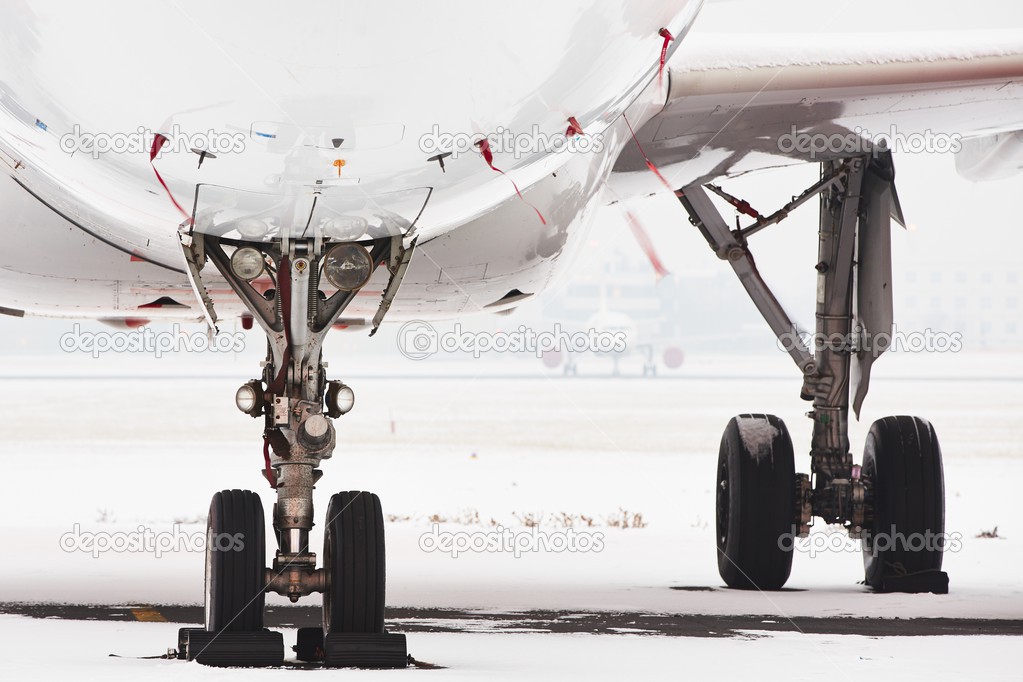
905, 482
353, 554
755, 506
235, 562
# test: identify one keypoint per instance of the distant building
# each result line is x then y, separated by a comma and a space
984, 305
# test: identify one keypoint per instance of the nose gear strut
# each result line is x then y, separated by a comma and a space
297, 404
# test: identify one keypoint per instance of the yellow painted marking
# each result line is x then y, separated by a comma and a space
148, 615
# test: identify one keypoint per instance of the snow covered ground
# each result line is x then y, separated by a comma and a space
113, 453
42, 649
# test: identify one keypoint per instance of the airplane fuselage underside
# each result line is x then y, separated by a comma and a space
333, 115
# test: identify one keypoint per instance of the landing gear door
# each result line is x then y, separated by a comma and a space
873, 315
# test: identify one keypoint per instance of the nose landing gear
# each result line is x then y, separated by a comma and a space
297, 404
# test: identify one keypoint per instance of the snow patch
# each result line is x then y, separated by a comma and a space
708, 51
757, 436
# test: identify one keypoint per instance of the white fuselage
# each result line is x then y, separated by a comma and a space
277, 86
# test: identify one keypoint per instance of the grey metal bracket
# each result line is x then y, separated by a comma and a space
401, 257
194, 252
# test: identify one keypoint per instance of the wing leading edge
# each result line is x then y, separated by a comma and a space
740, 103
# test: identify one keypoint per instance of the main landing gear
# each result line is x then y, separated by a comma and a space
894, 502
295, 288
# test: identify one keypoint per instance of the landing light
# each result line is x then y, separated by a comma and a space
247, 263
249, 398
346, 227
348, 266
251, 228
340, 399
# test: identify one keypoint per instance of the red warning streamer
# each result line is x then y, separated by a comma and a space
643, 239
740, 205
270, 476
649, 163
277, 386
284, 292
639, 233
666, 34
488, 156
158, 141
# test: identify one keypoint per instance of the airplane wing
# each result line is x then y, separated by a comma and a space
740, 103
737, 104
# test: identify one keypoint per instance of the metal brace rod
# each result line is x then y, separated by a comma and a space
833, 178
705, 216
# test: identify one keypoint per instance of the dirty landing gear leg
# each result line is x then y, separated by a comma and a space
297, 404
895, 501
898, 496
838, 494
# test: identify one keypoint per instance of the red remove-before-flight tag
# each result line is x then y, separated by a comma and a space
158, 141
488, 156
649, 163
666, 34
